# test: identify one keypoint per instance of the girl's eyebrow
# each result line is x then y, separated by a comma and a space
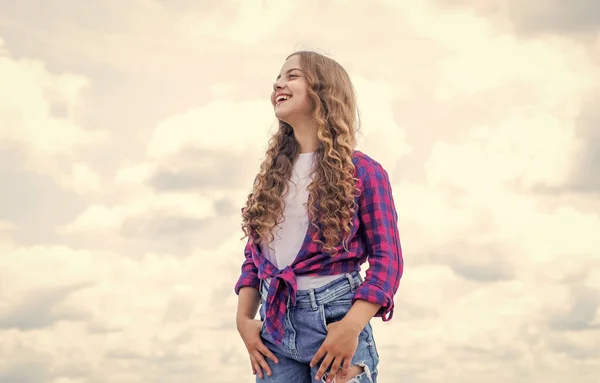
288, 71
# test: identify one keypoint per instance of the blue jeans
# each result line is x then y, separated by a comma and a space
305, 329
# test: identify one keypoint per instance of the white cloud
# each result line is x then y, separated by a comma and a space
131, 178
380, 135
254, 20
166, 298
241, 129
25, 99
6, 226
110, 218
221, 125
479, 57
524, 150
82, 179
28, 122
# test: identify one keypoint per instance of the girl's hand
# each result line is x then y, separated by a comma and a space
338, 348
249, 330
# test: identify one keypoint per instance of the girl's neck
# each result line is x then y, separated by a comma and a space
306, 136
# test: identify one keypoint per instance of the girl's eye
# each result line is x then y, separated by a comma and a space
292, 75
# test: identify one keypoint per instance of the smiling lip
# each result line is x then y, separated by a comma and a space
281, 97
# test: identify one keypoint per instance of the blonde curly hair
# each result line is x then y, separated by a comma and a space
331, 202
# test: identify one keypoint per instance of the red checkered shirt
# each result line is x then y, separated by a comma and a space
374, 237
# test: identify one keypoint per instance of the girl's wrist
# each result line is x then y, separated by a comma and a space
353, 325
242, 320
360, 314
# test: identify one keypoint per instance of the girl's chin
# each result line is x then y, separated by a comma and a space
282, 113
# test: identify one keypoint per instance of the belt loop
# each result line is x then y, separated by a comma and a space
313, 299
351, 280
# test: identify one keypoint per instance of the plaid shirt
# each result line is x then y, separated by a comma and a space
374, 237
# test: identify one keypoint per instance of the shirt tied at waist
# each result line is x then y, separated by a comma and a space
283, 286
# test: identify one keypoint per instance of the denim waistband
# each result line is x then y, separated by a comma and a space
324, 294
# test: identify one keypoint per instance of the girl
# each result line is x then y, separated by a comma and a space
318, 210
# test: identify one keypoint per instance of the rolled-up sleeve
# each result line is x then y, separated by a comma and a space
249, 274
379, 228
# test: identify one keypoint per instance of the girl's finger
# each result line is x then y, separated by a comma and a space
266, 352
252, 365
324, 364
263, 363
345, 367
335, 366
256, 366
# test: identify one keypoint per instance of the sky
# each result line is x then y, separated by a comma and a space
130, 134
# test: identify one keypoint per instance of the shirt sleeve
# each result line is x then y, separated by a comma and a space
249, 275
379, 228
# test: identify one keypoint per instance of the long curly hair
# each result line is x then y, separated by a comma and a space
331, 202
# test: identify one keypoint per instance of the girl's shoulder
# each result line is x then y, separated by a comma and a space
366, 165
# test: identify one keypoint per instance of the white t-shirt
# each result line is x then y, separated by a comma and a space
290, 234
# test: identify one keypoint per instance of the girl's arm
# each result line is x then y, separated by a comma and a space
379, 226
359, 315
248, 302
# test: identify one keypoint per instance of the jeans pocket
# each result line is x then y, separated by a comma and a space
335, 311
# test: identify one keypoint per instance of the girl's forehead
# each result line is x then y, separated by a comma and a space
289, 66
292, 62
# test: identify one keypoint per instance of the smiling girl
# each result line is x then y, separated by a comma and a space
318, 210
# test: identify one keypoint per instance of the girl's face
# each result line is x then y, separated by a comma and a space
290, 93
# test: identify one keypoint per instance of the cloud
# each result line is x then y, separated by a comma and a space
127, 243
42, 308
512, 152
210, 154
380, 134
182, 205
580, 16
172, 331
82, 179
202, 169
238, 23
585, 176
476, 224
6, 228
28, 101
583, 314
183, 193
224, 125
38, 110
577, 18
26, 365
